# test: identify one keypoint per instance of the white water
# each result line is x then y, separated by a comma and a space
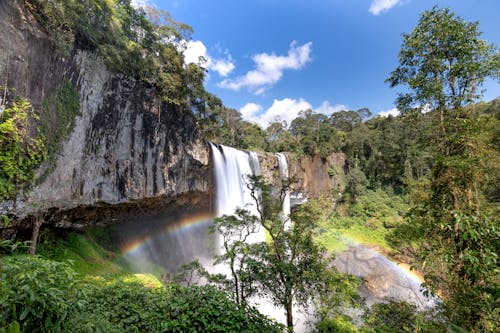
232, 167
283, 168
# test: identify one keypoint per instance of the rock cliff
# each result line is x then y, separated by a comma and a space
127, 148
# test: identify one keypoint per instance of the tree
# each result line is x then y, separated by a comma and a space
234, 231
315, 134
291, 269
444, 63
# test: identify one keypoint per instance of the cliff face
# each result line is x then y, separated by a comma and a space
128, 154
313, 176
126, 146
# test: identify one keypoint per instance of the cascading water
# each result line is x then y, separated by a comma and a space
232, 168
283, 168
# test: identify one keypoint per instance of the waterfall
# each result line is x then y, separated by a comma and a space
283, 169
232, 166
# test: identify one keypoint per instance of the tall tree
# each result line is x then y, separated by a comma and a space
444, 62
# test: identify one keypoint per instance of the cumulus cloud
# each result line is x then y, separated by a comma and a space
196, 52
140, 3
379, 6
392, 112
269, 69
285, 109
328, 109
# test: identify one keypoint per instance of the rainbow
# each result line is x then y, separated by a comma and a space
183, 225
403, 267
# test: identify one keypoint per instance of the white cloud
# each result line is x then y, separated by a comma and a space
249, 111
222, 66
392, 112
285, 109
270, 68
379, 6
194, 49
328, 109
140, 3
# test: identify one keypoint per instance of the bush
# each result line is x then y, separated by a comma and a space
397, 317
40, 295
37, 293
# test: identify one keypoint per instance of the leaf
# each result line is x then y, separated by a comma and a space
14, 327
24, 313
452, 328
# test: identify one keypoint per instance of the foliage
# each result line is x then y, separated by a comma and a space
144, 43
36, 293
396, 317
42, 295
356, 184
19, 154
315, 134
337, 325
368, 221
290, 269
129, 306
454, 225
235, 230
444, 62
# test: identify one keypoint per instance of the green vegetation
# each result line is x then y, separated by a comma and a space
291, 269
86, 255
368, 221
44, 295
424, 183
19, 153
142, 43
453, 222
57, 117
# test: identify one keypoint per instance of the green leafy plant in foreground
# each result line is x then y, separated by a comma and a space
36, 293
41, 295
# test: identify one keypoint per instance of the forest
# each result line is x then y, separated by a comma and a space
422, 186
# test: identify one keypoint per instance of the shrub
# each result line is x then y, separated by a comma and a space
37, 293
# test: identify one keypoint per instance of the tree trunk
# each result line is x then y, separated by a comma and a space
34, 235
289, 317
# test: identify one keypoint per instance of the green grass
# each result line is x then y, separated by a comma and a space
374, 237
368, 222
87, 257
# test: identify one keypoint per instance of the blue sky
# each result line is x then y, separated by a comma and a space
273, 58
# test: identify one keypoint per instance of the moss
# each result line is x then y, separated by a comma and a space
86, 255
57, 119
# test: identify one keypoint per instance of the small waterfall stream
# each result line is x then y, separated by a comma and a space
283, 168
